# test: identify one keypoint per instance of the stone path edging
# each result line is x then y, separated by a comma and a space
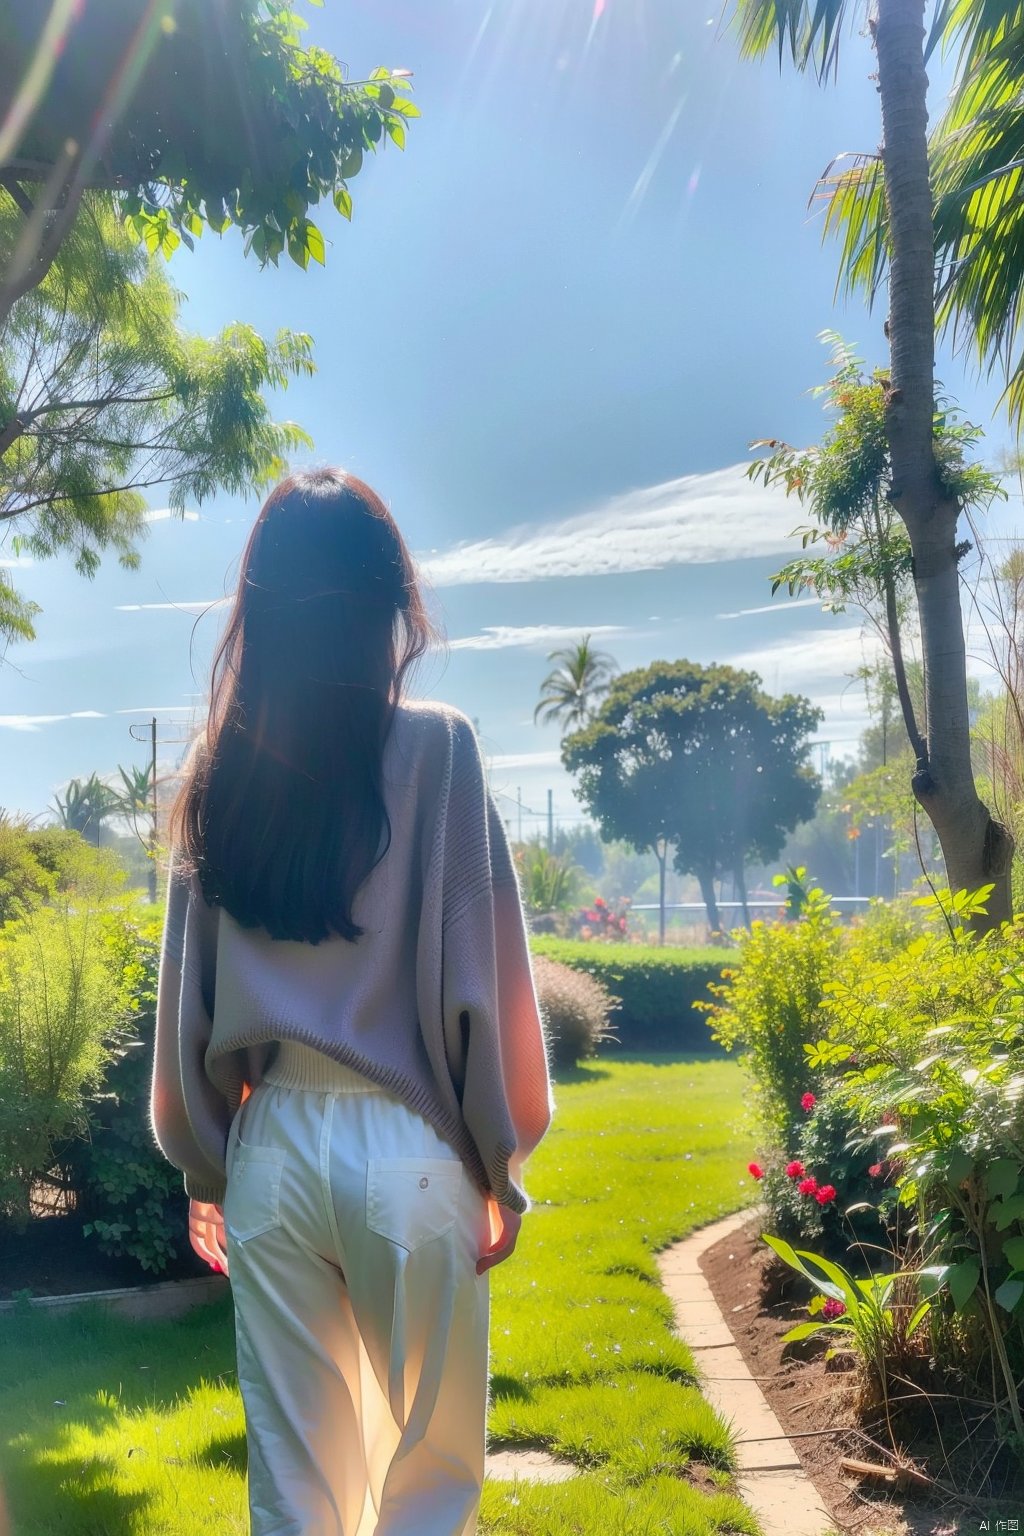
770, 1477
142, 1303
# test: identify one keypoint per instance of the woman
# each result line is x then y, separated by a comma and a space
349, 1067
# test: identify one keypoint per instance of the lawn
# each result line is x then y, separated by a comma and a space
115, 1430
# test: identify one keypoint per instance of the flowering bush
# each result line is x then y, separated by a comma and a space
604, 920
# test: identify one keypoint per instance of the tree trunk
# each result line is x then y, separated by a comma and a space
707, 891
977, 850
740, 878
661, 854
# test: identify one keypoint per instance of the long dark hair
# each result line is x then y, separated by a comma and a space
281, 812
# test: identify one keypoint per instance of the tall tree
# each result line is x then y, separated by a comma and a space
700, 761
104, 398
572, 690
185, 115
977, 849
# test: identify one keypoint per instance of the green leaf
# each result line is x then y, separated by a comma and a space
806, 1331
963, 1282
1002, 1177
960, 1166
315, 244
1004, 1213
1010, 1292
343, 202
1013, 1249
396, 132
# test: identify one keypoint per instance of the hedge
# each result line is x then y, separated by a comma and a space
657, 989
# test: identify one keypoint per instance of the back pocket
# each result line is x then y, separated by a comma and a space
412, 1200
252, 1203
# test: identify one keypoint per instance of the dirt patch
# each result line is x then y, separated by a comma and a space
53, 1258
814, 1400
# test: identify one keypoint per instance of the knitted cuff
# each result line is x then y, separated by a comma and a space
206, 1194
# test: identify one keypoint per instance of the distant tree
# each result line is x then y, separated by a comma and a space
570, 693
700, 761
86, 805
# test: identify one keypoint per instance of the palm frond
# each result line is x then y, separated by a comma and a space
810, 29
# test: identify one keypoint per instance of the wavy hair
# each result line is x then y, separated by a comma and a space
281, 811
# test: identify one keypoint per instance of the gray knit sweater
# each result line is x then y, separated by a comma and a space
435, 1001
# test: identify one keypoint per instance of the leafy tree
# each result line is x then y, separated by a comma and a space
185, 115
104, 397
976, 848
700, 761
571, 691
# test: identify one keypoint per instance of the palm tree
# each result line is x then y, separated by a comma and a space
572, 691
87, 804
977, 849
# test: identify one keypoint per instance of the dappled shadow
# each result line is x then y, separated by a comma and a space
225, 1452
44, 1497
693, 1058
509, 1388
583, 1072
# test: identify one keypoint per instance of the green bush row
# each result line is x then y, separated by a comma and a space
657, 989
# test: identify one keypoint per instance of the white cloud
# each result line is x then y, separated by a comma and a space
505, 762
784, 605
188, 606
695, 520
15, 562
809, 662
158, 709
165, 515
500, 637
34, 722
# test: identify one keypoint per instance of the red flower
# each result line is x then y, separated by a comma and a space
795, 1170
825, 1194
600, 902
755, 1170
808, 1186
808, 1101
833, 1309
591, 917
875, 1170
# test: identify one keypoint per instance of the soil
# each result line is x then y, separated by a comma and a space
53, 1258
815, 1402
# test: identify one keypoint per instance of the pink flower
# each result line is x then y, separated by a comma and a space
755, 1170
794, 1170
875, 1170
833, 1309
808, 1101
592, 917
825, 1194
622, 925
808, 1186
600, 902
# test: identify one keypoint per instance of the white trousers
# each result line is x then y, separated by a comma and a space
353, 1231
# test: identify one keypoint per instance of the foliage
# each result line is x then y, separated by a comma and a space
39, 864
657, 988
548, 881
266, 130
771, 1003
608, 922
65, 995
571, 692
576, 1010
697, 758
104, 396
86, 805
878, 1318
128, 1192
829, 1151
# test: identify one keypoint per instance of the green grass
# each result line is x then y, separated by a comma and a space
108, 1429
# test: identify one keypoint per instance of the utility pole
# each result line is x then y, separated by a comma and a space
151, 730
551, 821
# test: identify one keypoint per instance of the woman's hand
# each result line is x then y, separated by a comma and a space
206, 1234
505, 1226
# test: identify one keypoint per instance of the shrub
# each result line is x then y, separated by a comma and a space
549, 881
40, 864
772, 1003
576, 1010
605, 921
657, 989
65, 993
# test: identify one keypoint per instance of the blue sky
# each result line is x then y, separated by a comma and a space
548, 337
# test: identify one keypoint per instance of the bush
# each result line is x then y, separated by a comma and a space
576, 1010
37, 865
657, 989
65, 993
772, 1003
